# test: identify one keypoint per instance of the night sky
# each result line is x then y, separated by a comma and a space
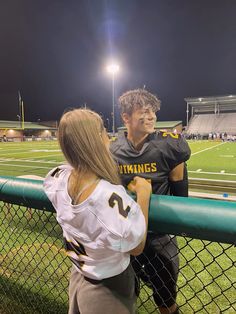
55, 53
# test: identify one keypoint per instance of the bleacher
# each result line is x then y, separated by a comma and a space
211, 115
227, 122
212, 123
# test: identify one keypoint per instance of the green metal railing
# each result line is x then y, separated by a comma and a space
34, 271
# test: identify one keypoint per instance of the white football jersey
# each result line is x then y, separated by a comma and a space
100, 231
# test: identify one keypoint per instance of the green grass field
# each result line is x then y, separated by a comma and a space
203, 264
29, 158
213, 160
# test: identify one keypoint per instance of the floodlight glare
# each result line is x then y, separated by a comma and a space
113, 68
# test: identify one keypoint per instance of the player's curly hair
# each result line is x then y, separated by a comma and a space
138, 97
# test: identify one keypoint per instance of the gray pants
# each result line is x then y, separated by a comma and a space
114, 295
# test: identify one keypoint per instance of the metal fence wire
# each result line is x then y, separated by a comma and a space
34, 270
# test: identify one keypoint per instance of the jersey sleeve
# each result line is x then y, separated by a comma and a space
53, 182
49, 184
134, 231
129, 223
177, 149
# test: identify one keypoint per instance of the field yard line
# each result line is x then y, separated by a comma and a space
29, 160
15, 165
43, 156
13, 148
12, 153
205, 172
27, 152
213, 180
208, 148
27, 148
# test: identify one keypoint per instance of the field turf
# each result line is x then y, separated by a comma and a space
209, 159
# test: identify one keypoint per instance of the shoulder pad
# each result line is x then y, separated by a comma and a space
175, 148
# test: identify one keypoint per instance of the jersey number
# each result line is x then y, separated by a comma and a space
115, 198
77, 249
171, 134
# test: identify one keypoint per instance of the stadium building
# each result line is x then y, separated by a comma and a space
211, 116
27, 131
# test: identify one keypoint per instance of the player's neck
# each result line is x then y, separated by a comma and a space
137, 140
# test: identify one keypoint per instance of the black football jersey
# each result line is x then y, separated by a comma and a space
161, 152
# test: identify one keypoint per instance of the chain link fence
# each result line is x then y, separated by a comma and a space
34, 271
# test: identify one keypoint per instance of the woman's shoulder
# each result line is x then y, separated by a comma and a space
56, 176
105, 185
57, 171
108, 192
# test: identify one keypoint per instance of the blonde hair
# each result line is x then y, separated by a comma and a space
79, 136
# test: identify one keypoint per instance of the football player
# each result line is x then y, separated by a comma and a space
159, 157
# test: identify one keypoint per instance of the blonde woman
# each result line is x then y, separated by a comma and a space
102, 225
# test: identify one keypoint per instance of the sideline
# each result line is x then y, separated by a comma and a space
207, 149
29, 160
25, 166
218, 196
211, 173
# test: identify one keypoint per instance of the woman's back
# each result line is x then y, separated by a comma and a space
98, 230
101, 224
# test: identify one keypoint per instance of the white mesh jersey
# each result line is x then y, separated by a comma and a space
100, 231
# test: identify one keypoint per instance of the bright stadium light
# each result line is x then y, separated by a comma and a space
113, 69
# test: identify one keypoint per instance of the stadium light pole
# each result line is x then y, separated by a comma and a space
108, 124
113, 69
18, 117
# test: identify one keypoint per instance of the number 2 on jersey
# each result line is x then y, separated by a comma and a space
115, 198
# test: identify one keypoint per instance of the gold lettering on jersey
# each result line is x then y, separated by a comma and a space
129, 169
138, 168
141, 168
135, 168
165, 134
121, 169
153, 167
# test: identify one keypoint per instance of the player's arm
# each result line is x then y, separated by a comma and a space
177, 153
178, 179
143, 190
